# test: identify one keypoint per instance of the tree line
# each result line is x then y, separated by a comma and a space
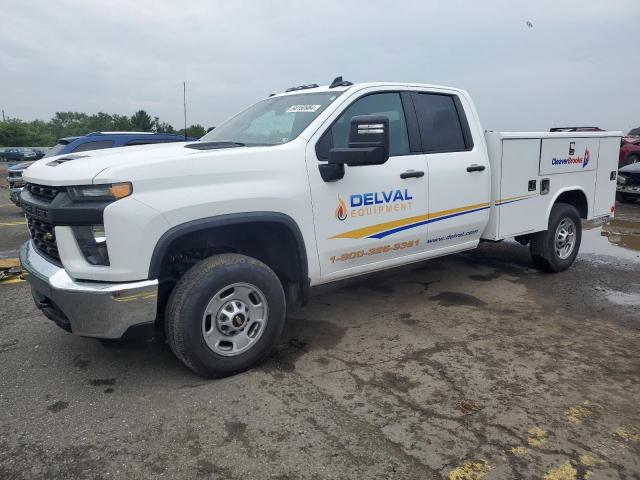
39, 133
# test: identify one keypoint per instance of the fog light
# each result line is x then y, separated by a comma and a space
92, 241
98, 233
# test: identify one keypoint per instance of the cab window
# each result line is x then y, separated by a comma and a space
387, 104
441, 128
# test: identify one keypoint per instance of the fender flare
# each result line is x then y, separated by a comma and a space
572, 188
163, 243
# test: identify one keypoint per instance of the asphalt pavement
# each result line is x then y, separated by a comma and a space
465, 367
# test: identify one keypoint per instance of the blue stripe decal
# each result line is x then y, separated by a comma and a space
431, 220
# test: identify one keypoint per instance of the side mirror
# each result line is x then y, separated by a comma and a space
368, 142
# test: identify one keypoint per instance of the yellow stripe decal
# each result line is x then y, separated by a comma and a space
381, 230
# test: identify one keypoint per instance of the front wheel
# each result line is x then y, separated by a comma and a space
555, 249
225, 315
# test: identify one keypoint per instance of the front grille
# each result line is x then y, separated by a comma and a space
43, 191
43, 236
15, 174
633, 178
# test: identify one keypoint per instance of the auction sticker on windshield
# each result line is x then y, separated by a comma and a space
303, 108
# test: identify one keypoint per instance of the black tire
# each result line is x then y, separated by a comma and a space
633, 158
543, 244
190, 298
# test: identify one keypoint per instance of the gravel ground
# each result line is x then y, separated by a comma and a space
470, 366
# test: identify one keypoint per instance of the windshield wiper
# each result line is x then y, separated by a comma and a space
214, 145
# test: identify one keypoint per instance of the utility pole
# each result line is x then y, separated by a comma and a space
184, 105
3, 115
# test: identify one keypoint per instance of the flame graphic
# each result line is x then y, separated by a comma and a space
341, 210
585, 162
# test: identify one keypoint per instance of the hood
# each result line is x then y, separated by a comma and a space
20, 166
82, 168
633, 168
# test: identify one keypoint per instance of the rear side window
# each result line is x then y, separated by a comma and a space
99, 145
440, 125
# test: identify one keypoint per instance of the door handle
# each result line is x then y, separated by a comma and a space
411, 174
475, 168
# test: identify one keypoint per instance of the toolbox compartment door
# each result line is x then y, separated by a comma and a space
519, 202
568, 155
605, 192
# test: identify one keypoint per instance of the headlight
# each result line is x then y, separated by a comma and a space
622, 179
92, 241
100, 193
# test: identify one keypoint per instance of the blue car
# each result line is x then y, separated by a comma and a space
92, 141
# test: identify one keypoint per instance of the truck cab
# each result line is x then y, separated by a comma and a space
210, 240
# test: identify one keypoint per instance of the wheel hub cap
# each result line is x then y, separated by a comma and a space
565, 238
234, 319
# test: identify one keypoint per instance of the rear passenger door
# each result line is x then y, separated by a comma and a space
459, 181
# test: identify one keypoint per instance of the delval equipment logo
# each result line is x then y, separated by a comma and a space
584, 160
373, 203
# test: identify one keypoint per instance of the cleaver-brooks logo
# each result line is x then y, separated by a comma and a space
373, 203
584, 160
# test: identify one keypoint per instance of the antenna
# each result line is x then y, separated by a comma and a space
184, 105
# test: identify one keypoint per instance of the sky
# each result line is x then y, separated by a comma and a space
576, 65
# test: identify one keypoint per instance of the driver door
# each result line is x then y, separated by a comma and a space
373, 217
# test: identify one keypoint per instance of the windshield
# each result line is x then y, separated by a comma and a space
56, 149
273, 121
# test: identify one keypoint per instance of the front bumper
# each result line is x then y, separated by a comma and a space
631, 190
90, 309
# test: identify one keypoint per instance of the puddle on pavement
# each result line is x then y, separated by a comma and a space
622, 298
619, 239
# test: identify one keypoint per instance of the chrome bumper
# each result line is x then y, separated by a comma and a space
90, 309
629, 189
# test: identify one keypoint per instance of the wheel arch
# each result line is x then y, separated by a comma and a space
272, 237
630, 154
573, 196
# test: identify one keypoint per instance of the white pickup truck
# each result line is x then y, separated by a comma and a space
208, 240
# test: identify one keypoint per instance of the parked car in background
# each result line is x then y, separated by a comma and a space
628, 189
630, 148
92, 141
576, 129
101, 140
40, 152
19, 154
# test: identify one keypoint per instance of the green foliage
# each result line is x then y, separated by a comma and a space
195, 131
38, 133
141, 121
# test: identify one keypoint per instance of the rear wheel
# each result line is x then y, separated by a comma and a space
555, 249
225, 315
